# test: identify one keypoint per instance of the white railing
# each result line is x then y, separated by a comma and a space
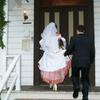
15, 65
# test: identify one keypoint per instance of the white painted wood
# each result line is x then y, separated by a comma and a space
17, 32
8, 72
10, 89
16, 28
45, 95
19, 18
29, 6
28, 82
18, 71
97, 40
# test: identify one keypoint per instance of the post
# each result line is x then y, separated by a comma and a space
18, 71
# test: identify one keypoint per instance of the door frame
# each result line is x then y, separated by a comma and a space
37, 28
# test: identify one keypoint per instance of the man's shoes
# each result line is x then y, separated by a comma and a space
85, 99
85, 95
75, 94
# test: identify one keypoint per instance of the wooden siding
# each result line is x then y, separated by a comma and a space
97, 40
17, 31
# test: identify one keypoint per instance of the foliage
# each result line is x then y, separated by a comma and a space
2, 22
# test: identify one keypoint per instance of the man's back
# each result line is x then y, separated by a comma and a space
82, 49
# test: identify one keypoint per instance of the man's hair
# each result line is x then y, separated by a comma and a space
81, 28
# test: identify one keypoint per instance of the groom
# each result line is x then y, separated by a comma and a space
82, 48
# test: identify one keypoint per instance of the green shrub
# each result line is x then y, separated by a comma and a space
2, 22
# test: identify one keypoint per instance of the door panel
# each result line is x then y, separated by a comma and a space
57, 18
70, 24
81, 17
46, 18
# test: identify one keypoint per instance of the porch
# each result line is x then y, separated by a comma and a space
19, 35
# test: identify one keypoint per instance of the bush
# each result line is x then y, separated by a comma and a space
2, 22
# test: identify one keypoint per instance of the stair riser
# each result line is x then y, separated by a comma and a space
48, 95
39, 96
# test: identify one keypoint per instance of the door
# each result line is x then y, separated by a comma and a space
67, 18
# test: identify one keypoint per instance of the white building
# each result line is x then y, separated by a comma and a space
22, 36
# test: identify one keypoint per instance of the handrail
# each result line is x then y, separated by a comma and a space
10, 89
6, 76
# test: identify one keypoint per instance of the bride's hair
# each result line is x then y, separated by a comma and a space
60, 43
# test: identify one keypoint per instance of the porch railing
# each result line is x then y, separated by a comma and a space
15, 65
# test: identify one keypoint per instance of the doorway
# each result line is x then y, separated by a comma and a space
67, 17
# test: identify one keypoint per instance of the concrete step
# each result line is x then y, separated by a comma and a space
46, 99
48, 95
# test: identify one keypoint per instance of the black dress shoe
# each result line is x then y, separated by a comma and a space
75, 94
85, 98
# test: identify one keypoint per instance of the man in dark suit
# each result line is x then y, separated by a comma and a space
82, 48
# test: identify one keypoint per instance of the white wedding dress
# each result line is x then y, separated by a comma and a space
53, 64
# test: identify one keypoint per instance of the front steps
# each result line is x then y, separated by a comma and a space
48, 95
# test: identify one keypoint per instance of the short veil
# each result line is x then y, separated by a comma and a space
49, 31
49, 36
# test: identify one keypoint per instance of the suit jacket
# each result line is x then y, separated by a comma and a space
82, 48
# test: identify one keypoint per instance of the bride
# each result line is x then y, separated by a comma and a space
53, 65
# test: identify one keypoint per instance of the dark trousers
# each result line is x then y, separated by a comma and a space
84, 79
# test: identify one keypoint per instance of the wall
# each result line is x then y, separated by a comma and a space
20, 36
97, 41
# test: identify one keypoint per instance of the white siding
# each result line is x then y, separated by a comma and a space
17, 32
97, 40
